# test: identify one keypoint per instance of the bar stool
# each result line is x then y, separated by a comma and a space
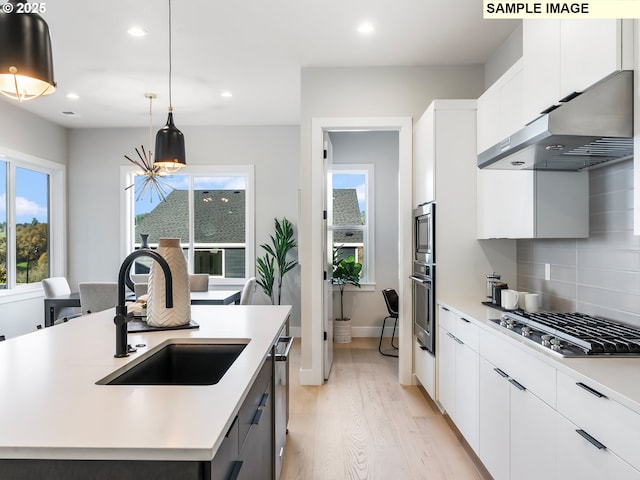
391, 300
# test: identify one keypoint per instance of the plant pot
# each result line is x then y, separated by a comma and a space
342, 330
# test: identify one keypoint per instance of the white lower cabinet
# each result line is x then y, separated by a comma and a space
494, 420
533, 437
582, 456
526, 418
459, 375
425, 368
447, 372
517, 429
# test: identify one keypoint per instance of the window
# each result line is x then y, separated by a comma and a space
27, 233
353, 215
210, 209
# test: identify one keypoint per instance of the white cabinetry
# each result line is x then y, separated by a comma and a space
444, 139
500, 108
565, 56
580, 457
604, 421
425, 368
458, 373
517, 419
532, 204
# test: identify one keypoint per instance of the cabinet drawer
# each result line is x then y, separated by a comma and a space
610, 423
533, 374
468, 333
447, 319
578, 457
425, 369
254, 400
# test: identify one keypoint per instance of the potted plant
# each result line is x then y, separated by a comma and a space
282, 242
346, 271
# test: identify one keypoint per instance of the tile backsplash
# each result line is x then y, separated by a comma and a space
598, 275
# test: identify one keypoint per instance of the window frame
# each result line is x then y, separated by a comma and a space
57, 221
127, 175
368, 228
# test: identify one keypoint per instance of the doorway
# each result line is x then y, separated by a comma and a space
313, 312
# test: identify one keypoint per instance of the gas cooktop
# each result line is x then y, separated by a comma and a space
574, 334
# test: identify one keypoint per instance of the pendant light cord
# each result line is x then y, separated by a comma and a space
150, 124
170, 103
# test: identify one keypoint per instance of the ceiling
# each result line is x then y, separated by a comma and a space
254, 49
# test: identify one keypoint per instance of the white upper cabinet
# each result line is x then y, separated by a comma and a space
561, 57
532, 204
443, 146
500, 108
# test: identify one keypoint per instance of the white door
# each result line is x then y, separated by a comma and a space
327, 255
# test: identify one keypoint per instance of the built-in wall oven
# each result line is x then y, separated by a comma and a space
423, 276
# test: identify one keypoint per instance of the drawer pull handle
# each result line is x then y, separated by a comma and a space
458, 340
464, 320
516, 384
500, 372
264, 399
257, 417
449, 334
590, 390
590, 439
235, 471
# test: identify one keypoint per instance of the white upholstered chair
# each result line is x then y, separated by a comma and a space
98, 296
54, 287
247, 291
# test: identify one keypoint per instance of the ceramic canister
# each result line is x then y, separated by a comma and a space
157, 313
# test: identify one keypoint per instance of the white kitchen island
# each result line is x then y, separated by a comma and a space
52, 409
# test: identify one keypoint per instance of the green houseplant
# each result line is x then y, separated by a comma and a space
346, 271
282, 242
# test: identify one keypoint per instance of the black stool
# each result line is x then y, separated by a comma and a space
391, 299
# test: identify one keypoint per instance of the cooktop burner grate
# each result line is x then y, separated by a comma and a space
575, 334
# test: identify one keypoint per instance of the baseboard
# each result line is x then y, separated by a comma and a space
295, 331
371, 331
356, 331
307, 377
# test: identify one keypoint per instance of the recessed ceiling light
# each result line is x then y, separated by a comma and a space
73, 96
226, 94
366, 28
137, 32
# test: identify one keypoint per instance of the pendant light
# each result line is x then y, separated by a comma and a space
26, 62
153, 174
170, 154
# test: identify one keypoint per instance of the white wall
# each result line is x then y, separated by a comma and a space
95, 157
366, 307
362, 92
23, 132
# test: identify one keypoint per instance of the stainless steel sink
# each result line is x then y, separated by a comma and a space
180, 363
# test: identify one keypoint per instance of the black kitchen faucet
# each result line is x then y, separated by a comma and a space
122, 317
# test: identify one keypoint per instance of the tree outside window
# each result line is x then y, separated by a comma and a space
27, 215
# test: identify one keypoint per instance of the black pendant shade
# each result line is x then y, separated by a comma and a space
169, 153
26, 61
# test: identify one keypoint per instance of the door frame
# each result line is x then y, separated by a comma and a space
312, 314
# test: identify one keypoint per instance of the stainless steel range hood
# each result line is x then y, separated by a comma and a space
590, 129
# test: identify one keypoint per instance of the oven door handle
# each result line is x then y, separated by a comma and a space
424, 281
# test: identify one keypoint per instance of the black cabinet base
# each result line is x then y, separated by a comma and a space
103, 470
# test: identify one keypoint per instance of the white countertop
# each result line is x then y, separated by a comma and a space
51, 407
618, 378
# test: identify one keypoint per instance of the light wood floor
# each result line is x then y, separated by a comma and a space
362, 424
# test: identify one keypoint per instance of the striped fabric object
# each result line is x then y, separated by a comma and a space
157, 313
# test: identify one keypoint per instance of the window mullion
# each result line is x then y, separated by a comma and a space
191, 248
11, 226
